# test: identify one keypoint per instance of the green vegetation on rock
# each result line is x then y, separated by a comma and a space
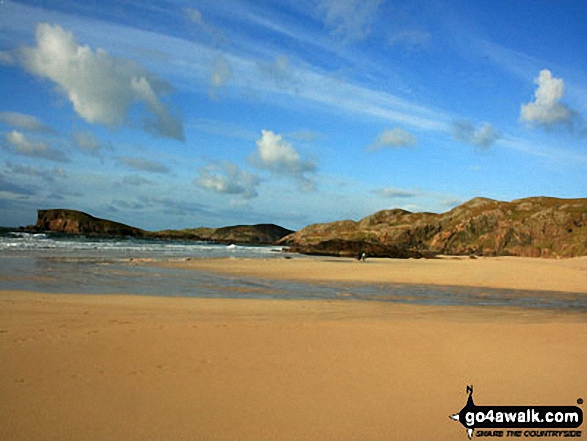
537, 227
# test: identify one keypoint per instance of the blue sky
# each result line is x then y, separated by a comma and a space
176, 114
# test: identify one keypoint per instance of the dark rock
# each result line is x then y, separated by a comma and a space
354, 248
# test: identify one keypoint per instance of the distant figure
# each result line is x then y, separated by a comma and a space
363, 257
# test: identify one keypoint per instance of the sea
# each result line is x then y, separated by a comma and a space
57, 263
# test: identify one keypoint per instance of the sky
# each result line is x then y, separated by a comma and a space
180, 114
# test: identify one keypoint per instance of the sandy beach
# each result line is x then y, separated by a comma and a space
85, 367
565, 275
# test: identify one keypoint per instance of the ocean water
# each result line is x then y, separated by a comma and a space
73, 264
15, 243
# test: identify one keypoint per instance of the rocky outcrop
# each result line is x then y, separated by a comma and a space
355, 248
77, 222
248, 234
537, 227
239, 234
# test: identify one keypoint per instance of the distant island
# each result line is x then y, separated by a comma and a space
78, 222
530, 227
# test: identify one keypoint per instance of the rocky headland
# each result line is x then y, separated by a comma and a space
531, 227
78, 222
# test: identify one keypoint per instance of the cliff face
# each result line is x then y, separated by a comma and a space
77, 222
536, 227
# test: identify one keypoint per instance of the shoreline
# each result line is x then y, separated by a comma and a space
106, 367
560, 275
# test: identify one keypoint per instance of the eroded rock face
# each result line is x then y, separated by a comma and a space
532, 227
77, 222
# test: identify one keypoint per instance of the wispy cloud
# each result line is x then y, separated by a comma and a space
49, 175
281, 72
18, 143
483, 137
394, 138
552, 154
24, 122
6, 58
9, 189
145, 165
135, 180
228, 179
410, 38
102, 88
221, 73
349, 19
397, 193
190, 64
175, 206
216, 35
222, 128
87, 142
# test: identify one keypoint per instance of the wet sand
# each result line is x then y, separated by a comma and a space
567, 275
111, 367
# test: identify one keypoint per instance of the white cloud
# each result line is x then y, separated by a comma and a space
191, 63
546, 109
146, 165
279, 156
394, 138
87, 142
228, 179
18, 143
24, 122
102, 88
484, 137
350, 19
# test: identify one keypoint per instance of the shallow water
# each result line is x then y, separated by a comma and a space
66, 264
113, 275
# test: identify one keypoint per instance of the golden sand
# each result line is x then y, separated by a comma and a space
568, 275
83, 367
